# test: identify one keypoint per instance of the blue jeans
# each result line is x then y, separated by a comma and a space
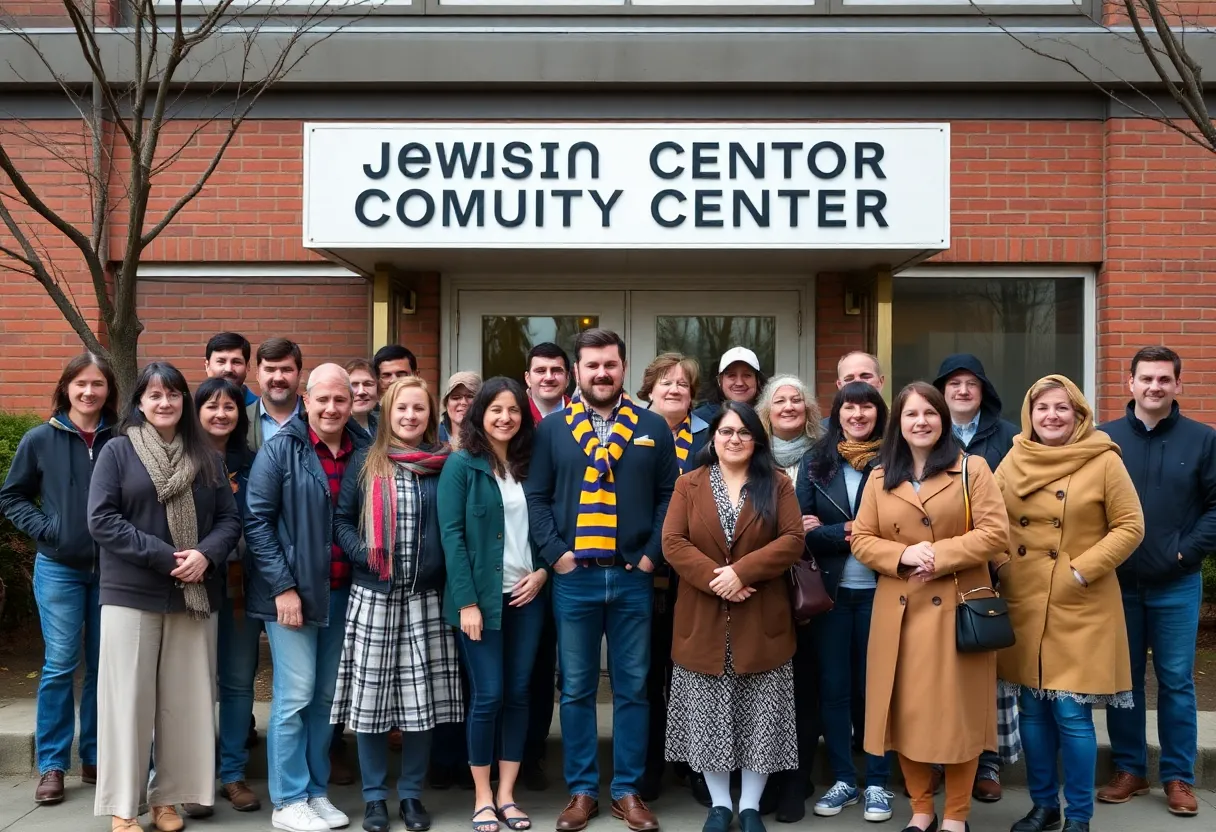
499, 669
237, 662
306, 673
68, 606
1059, 728
843, 635
589, 603
373, 764
1163, 619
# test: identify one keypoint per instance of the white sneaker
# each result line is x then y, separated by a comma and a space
298, 817
328, 812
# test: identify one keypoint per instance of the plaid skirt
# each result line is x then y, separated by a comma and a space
400, 667
1008, 727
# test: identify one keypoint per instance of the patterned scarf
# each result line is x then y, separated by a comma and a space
595, 528
172, 473
858, 454
380, 506
684, 444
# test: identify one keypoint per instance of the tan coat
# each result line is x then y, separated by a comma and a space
762, 627
1070, 507
924, 699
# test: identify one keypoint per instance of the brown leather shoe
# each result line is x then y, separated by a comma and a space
1180, 798
197, 811
578, 813
241, 796
1122, 788
166, 819
633, 811
88, 775
50, 789
987, 789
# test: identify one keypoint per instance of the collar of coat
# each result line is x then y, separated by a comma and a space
928, 489
701, 495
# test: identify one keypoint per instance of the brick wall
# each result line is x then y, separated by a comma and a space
835, 334
1187, 12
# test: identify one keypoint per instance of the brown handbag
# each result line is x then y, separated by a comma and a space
808, 596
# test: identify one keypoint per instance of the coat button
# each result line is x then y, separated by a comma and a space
902, 600
1056, 522
1059, 495
1053, 554
937, 602
1021, 550
500, 535
1024, 521
924, 521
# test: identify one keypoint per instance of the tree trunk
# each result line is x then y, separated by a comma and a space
124, 347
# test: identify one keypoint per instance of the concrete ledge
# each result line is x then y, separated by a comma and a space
17, 748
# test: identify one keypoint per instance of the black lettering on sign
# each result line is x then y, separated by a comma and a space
826, 208
871, 203
572, 159
566, 198
868, 155
550, 149
812, 160
451, 205
657, 215
360, 203
793, 197
487, 172
606, 207
414, 154
741, 201
654, 162
738, 153
702, 206
467, 160
521, 212
428, 213
517, 153
383, 172
704, 154
787, 154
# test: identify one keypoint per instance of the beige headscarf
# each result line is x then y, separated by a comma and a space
1030, 465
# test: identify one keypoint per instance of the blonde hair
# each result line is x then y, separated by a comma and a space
377, 464
764, 405
664, 364
1085, 415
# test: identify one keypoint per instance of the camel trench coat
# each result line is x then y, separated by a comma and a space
924, 699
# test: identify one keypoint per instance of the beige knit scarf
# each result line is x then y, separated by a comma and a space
172, 473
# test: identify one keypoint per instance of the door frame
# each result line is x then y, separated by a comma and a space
451, 284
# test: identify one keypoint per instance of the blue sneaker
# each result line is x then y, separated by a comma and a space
836, 798
878, 804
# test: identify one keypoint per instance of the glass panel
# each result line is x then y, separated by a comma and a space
706, 337
1021, 329
506, 339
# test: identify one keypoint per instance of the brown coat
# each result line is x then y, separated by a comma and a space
924, 699
762, 627
1070, 507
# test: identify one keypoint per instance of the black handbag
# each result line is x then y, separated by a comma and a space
981, 625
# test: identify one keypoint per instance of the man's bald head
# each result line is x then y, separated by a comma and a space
859, 366
327, 372
328, 399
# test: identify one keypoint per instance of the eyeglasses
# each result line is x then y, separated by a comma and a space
742, 434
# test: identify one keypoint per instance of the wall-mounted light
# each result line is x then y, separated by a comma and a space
408, 301
852, 302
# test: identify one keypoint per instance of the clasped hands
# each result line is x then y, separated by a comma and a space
727, 586
920, 557
191, 566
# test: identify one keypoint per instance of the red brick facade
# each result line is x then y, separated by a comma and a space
1127, 196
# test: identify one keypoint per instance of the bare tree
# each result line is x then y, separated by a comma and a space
204, 69
1159, 33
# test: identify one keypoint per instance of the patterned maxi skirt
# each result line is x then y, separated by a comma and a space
400, 667
721, 723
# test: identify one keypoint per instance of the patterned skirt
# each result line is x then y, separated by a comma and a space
721, 723
400, 667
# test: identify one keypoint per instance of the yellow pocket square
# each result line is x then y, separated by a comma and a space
644, 441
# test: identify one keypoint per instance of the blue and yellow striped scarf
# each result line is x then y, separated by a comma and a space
595, 527
684, 445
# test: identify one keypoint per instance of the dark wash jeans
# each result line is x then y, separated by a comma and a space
499, 670
1165, 619
589, 603
843, 638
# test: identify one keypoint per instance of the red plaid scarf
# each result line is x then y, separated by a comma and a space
380, 507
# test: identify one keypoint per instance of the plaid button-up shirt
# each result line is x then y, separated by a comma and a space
334, 468
602, 426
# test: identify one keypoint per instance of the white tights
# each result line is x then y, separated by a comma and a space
749, 796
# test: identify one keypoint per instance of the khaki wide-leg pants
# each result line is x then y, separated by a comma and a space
156, 677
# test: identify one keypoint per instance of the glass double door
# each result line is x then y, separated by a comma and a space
497, 328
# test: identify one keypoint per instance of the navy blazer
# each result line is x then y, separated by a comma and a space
830, 503
645, 476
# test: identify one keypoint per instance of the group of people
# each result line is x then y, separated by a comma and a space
420, 567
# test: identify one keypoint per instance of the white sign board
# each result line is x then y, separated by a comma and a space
627, 186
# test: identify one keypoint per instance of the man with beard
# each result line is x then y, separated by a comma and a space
279, 366
227, 357
602, 473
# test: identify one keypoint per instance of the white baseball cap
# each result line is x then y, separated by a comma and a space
738, 354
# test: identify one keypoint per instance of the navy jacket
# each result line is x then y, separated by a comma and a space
289, 525
1174, 469
46, 492
645, 476
830, 503
994, 436
429, 568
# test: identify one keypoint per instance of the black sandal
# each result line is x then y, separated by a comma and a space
514, 824
485, 825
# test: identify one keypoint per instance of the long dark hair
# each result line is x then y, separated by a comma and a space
473, 437
896, 455
761, 469
188, 427
61, 401
825, 459
238, 450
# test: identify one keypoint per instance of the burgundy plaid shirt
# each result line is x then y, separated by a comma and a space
339, 565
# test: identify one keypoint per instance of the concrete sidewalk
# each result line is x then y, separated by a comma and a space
17, 746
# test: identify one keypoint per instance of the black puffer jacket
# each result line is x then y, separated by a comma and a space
994, 437
1174, 469
46, 492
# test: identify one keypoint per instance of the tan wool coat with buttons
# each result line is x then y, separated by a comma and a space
924, 699
1071, 507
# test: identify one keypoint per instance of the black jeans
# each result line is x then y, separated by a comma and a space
542, 688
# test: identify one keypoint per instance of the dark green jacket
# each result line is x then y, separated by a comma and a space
471, 526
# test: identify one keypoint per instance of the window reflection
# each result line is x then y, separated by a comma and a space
506, 340
1021, 329
706, 337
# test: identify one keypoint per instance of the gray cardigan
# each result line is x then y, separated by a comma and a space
130, 526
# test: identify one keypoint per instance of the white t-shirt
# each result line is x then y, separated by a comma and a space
516, 551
